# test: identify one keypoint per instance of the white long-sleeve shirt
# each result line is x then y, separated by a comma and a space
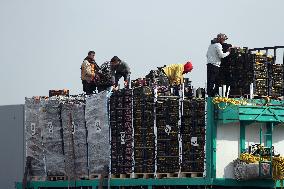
215, 53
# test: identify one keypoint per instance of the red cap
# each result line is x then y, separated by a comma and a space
188, 67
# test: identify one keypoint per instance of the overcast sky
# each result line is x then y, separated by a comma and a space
43, 43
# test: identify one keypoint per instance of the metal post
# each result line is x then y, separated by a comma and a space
242, 136
210, 140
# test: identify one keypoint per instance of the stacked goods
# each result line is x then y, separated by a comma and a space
262, 74
98, 133
64, 92
121, 132
256, 164
143, 123
259, 162
80, 138
277, 75
187, 88
193, 135
33, 133
158, 79
138, 82
167, 117
242, 68
236, 71
50, 123
74, 137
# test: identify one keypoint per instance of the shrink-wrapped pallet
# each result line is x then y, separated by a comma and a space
248, 171
50, 123
96, 115
33, 135
74, 137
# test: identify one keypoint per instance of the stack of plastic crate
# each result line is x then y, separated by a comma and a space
193, 135
121, 132
167, 117
143, 123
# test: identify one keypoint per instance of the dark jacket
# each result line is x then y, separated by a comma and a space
121, 69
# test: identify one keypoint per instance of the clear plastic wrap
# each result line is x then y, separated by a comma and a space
74, 137
96, 115
248, 171
50, 122
33, 135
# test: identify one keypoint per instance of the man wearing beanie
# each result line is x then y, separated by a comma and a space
175, 72
214, 55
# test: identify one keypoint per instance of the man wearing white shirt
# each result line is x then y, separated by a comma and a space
214, 56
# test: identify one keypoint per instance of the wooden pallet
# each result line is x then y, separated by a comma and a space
56, 178
144, 175
121, 176
167, 175
97, 176
38, 178
190, 174
83, 177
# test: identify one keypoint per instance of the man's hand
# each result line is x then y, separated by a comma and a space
114, 88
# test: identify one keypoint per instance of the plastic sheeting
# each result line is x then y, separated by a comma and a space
33, 134
245, 171
96, 116
74, 137
50, 122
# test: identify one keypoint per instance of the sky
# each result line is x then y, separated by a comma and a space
43, 43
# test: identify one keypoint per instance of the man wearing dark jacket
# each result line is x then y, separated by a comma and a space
119, 69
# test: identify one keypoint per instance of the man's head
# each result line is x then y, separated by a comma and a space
115, 61
187, 67
222, 38
91, 55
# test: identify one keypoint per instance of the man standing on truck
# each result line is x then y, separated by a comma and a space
214, 56
119, 69
110, 73
175, 72
89, 76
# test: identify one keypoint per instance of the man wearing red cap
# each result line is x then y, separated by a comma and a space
175, 72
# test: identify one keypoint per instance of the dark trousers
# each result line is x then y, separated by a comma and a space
88, 88
213, 78
103, 87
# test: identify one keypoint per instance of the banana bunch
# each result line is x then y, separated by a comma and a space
218, 100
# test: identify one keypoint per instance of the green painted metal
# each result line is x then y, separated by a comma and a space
232, 113
152, 182
264, 183
210, 127
268, 135
243, 136
254, 111
210, 116
227, 113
